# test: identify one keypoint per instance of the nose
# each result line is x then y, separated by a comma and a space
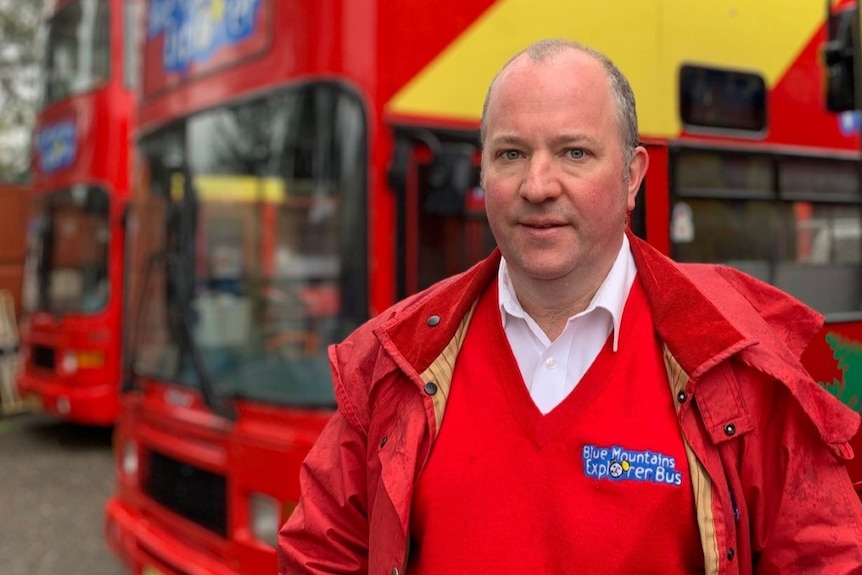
540, 181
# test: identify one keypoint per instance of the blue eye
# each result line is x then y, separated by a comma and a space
576, 154
511, 155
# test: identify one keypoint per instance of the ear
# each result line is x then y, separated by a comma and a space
637, 170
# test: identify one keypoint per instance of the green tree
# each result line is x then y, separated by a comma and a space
20, 57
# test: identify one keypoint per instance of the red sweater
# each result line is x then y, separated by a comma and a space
598, 485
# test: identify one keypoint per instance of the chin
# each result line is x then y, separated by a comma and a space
547, 272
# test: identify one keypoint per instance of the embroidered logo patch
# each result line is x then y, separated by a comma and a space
618, 464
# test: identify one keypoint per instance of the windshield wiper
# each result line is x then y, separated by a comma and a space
188, 344
178, 260
178, 311
180, 277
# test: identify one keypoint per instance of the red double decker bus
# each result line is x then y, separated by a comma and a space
73, 286
301, 165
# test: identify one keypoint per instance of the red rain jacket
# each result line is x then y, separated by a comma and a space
766, 444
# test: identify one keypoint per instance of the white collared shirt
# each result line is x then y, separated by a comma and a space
551, 370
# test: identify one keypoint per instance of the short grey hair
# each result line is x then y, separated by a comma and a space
624, 98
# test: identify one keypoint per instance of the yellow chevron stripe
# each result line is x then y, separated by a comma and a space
647, 39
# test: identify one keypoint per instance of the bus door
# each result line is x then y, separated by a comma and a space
442, 227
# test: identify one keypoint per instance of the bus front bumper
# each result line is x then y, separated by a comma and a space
147, 550
90, 404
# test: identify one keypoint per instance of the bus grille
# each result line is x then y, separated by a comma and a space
194, 493
42, 356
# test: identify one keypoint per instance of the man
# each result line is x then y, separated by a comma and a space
577, 403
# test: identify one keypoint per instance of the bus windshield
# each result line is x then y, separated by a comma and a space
77, 53
248, 247
67, 263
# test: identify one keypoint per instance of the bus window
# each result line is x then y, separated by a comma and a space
77, 51
453, 231
794, 222
442, 227
133, 15
69, 248
724, 99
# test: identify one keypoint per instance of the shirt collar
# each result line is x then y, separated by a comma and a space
611, 295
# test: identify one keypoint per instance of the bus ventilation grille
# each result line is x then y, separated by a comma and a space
194, 493
43, 356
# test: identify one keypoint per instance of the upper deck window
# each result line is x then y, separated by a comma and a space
723, 99
77, 54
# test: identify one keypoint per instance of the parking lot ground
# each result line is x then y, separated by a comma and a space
54, 480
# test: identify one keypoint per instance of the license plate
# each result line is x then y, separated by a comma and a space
33, 402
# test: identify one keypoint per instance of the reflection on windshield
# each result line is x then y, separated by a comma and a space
77, 54
261, 208
67, 261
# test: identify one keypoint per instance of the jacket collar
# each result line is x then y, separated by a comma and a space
424, 326
724, 313
695, 332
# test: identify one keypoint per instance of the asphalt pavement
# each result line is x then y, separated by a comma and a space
54, 480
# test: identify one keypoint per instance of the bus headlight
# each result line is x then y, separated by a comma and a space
73, 360
69, 362
130, 458
265, 518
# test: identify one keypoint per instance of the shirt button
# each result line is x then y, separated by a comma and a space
550, 363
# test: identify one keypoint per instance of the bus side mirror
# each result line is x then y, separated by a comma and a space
449, 178
840, 60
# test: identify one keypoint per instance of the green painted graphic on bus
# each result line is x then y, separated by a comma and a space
848, 354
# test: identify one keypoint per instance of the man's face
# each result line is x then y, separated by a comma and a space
553, 170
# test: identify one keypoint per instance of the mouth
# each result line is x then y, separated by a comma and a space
542, 225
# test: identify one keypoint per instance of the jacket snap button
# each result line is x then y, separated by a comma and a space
433, 320
729, 429
730, 554
681, 396
430, 388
